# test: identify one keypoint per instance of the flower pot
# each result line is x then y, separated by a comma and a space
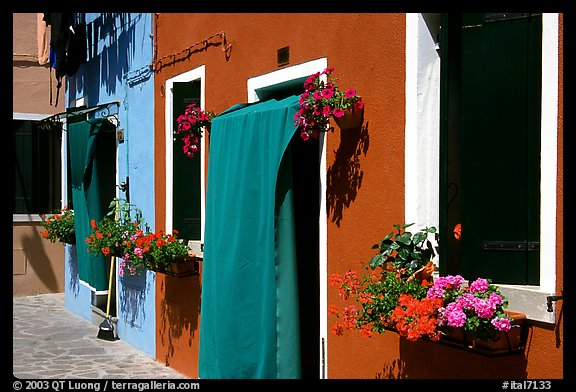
187, 266
504, 342
352, 119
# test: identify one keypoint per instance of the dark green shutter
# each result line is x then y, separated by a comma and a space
186, 171
491, 146
36, 167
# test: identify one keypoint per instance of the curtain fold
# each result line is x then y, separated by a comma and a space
88, 178
249, 324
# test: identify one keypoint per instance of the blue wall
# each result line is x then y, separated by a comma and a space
118, 69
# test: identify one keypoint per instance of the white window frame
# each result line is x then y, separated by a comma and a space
530, 300
189, 76
282, 75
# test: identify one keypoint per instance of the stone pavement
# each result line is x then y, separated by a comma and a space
50, 342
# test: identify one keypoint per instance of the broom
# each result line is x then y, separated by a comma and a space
106, 331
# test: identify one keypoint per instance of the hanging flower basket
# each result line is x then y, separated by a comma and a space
190, 128
322, 100
352, 119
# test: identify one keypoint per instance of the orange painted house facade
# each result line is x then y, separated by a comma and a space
396, 169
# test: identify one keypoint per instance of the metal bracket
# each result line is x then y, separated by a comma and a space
511, 246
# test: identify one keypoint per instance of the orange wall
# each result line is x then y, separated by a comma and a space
364, 199
356, 53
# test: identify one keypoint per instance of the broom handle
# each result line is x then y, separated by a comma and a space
112, 260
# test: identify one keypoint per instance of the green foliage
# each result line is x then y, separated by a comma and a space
122, 221
383, 296
59, 227
407, 252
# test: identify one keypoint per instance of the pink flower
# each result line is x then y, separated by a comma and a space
501, 324
350, 93
186, 125
483, 308
327, 93
495, 299
338, 112
455, 315
480, 285
358, 105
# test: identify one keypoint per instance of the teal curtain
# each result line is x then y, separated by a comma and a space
249, 324
91, 165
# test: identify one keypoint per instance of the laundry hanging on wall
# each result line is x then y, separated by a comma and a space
68, 46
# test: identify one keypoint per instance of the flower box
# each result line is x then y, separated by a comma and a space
509, 342
188, 266
352, 119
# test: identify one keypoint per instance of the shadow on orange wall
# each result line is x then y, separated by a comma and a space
178, 314
344, 176
429, 360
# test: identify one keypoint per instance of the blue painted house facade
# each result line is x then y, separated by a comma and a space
116, 82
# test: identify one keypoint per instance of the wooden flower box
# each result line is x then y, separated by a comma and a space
188, 266
510, 342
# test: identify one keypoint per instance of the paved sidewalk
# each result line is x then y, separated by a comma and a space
51, 342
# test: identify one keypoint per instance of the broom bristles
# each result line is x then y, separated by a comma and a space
106, 330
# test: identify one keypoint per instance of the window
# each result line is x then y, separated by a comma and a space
185, 190
37, 167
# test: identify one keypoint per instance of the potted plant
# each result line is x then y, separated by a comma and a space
322, 100
190, 126
403, 296
158, 251
121, 222
475, 315
59, 226
123, 233
402, 266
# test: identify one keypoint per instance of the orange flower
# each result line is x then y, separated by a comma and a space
458, 231
105, 251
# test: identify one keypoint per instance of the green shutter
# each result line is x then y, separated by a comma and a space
23, 168
491, 136
186, 194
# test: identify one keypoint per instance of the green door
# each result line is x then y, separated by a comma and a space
186, 171
491, 77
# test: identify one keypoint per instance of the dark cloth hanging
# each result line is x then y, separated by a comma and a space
67, 46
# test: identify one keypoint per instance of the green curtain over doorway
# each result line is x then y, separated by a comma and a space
249, 324
93, 166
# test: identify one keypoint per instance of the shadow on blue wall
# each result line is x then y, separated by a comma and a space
74, 282
132, 298
111, 45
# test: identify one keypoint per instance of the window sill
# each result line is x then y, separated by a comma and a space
529, 300
23, 218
